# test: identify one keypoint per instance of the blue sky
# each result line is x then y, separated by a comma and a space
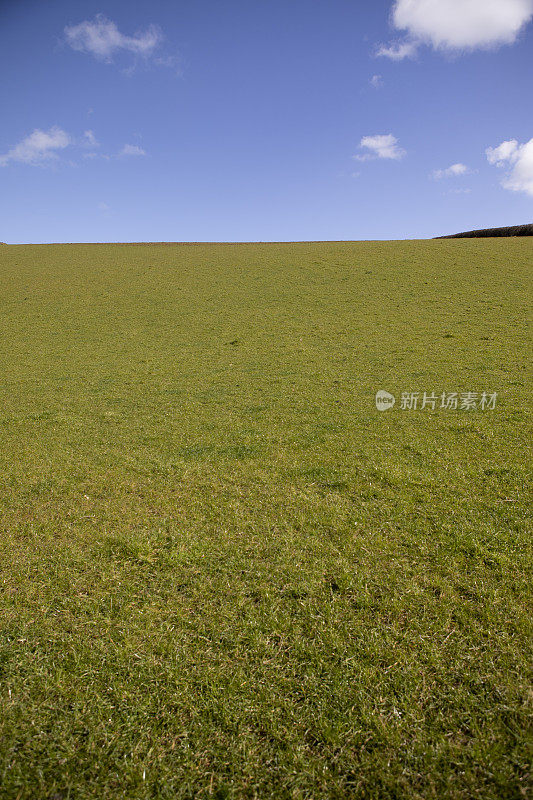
234, 120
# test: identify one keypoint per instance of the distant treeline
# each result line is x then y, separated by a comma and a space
517, 230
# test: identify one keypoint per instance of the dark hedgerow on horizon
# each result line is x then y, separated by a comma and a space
515, 230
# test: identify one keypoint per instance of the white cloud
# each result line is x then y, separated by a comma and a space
519, 159
451, 172
37, 148
397, 51
380, 146
102, 39
506, 151
457, 24
103, 207
132, 150
376, 81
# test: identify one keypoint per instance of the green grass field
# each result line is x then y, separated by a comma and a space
224, 573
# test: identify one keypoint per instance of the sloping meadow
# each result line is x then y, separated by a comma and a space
225, 572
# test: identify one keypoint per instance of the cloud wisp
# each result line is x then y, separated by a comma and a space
126, 151
42, 148
518, 159
102, 39
89, 139
383, 146
132, 150
397, 51
39, 148
453, 171
456, 25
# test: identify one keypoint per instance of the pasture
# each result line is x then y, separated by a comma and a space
225, 573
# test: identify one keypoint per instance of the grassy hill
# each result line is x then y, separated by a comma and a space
225, 573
